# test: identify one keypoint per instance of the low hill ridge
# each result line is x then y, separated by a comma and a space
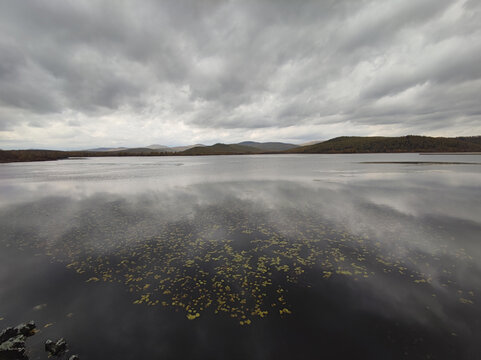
221, 149
269, 146
380, 144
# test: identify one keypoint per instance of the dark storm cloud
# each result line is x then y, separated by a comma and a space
243, 64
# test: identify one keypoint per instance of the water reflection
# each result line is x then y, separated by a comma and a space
384, 262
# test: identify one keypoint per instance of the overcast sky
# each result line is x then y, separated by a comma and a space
82, 74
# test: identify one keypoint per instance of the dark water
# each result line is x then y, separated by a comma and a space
245, 257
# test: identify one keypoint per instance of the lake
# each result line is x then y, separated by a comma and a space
245, 257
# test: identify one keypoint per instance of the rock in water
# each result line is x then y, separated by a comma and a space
12, 341
7, 333
13, 349
27, 329
56, 348
49, 345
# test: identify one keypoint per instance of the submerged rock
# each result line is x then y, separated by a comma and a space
39, 307
12, 341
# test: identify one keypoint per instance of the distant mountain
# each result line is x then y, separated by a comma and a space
378, 144
157, 147
220, 149
150, 148
310, 143
268, 146
164, 148
144, 150
107, 149
186, 147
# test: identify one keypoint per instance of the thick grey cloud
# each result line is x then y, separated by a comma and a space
130, 73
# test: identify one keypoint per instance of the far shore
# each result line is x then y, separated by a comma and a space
423, 145
61, 156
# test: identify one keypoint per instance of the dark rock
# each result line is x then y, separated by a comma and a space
49, 345
13, 348
56, 348
12, 341
27, 329
8, 333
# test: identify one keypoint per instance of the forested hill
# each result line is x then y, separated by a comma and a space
221, 149
378, 144
472, 139
269, 146
31, 155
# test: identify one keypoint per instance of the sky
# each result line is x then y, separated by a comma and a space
83, 74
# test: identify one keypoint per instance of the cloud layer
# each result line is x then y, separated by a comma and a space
75, 74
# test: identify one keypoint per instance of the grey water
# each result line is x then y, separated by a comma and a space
371, 256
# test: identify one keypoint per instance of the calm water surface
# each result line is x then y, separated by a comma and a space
245, 257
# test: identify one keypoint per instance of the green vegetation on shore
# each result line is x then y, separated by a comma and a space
7, 156
31, 155
339, 145
401, 144
221, 149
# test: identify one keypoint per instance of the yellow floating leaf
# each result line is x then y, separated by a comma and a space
193, 316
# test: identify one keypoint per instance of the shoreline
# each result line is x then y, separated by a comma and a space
82, 156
